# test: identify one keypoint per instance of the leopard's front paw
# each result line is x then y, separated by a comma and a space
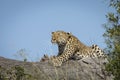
55, 62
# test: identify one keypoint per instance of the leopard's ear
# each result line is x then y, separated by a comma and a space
52, 32
69, 33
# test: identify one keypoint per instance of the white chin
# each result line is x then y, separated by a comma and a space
53, 42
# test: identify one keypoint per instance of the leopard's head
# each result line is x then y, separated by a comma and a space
60, 37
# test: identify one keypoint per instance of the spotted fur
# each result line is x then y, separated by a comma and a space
70, 47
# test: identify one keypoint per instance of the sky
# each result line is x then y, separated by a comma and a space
27, 25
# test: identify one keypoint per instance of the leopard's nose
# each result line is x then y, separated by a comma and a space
53, 40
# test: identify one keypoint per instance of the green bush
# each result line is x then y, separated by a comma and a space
112, 38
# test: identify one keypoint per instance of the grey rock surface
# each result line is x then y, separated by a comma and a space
84, 69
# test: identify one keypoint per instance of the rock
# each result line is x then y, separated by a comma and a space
84, 69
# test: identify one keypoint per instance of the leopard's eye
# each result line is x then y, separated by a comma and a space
53, 39
58, 34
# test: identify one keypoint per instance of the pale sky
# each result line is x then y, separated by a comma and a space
27, 24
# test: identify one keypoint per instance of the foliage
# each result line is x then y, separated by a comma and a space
22, 55
20, 73
14, 73
112, 38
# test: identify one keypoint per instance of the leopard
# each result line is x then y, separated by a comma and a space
96, 52
70, 47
